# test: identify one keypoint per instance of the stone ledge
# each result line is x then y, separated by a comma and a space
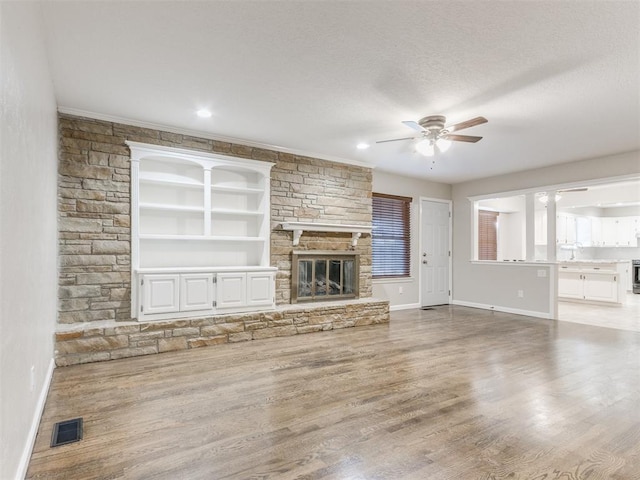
110, 340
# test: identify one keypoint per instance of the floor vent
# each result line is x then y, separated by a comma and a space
65, 432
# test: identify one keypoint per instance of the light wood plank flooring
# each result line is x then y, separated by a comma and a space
451, 393
623, 317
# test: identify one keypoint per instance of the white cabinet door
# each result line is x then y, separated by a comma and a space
596, 231
571, 229
570, 285
160, 294
260, 288
196, 291
626, 232
609, 231
561, 229
231, 290
602, 287
583, 231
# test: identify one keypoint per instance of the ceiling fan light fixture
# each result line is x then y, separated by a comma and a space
426, 148
545, 198
443, 144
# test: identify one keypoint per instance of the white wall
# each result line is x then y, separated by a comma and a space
498, 285
28, 237
384, 182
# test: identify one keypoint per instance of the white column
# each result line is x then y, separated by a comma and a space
551, 226
530, 225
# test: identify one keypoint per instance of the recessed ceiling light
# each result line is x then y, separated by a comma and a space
362, 146
204, 113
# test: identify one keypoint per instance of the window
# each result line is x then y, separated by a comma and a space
391, 236
487, 235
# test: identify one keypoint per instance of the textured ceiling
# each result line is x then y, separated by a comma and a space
558, 81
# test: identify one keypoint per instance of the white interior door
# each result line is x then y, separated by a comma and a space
434, 254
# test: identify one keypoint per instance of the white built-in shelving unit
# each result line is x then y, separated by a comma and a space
200, 233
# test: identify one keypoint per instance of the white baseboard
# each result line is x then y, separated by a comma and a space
498, 308
406, 306
33, 431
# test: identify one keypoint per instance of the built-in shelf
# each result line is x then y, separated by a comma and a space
234, 189
204, 238
199, 233
298, 228
146, 177
229, 211
168, 207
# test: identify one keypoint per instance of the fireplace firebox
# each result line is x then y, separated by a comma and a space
324, 275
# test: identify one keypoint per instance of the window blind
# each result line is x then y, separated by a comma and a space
391, 236
487, 235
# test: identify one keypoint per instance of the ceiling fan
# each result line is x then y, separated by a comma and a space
435, 136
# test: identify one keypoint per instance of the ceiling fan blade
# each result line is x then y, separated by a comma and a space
469, 123
396, 139
462, 138
415, 125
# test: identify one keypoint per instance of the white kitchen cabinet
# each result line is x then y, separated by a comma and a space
601, 287
596, 282
196, 291
160, 294
626, 232
570, 284
583, 231
609, 231
565, 229
596, 231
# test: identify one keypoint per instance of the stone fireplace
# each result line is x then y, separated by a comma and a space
316, 206
324, 275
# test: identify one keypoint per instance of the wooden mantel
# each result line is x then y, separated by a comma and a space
299, 227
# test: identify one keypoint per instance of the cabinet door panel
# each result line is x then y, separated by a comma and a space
609, 231
160, 294
602, 287
196, 292
259, 288
570, 285
231, 291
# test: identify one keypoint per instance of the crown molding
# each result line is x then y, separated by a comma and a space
202, 134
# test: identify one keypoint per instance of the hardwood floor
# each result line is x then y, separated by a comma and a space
451, 393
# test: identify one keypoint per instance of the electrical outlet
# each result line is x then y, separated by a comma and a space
400, 290
520, 293
542, 273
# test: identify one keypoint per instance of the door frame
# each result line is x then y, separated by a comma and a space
449, 203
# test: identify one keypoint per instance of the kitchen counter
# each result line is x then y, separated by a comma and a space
592, 280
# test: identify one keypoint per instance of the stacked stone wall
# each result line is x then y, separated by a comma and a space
80, 344
94, 206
